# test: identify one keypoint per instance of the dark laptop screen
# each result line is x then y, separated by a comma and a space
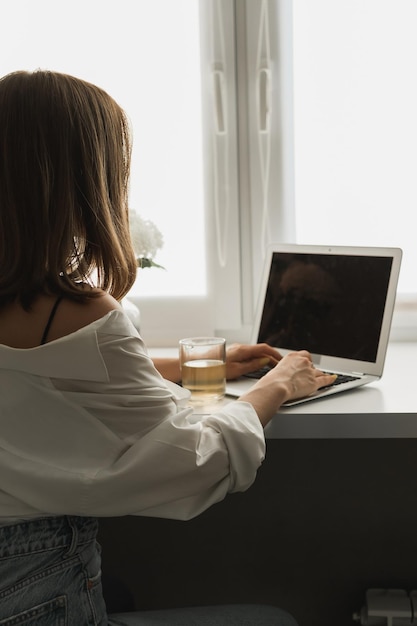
327, 304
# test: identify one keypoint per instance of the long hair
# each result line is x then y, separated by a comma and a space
65, 153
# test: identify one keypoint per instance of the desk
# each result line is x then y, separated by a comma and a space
332, 513
385, 409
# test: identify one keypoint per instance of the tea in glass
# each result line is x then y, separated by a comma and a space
203, 368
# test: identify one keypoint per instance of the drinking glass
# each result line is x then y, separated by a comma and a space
203, 368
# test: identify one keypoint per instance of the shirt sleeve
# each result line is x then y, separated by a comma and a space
151, 456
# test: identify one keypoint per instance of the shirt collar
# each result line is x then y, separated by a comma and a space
76, 356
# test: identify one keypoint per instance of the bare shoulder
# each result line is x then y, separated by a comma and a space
97, 306
72, 316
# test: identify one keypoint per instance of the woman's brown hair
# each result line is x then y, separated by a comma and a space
64, 174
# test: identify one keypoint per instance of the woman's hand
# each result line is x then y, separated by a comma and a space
242, 359
294, 377
297, 372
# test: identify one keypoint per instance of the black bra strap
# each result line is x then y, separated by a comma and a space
50, 319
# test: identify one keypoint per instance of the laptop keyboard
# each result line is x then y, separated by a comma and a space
341, 378
258, 373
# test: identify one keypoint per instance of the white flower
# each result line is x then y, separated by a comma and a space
146, 238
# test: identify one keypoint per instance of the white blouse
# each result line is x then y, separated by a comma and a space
88, 427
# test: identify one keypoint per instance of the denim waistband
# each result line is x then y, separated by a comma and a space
46, 533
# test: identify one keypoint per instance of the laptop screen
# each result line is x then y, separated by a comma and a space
328, 304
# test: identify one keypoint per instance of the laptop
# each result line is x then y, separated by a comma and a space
336, 302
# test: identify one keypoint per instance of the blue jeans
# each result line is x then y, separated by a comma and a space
50, 576
50, 573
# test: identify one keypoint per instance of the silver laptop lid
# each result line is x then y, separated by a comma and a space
335, 301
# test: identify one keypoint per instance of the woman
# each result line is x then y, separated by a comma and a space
88, 426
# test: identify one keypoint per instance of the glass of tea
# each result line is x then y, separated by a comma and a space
203, 368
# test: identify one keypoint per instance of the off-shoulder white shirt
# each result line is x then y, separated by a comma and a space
88, 427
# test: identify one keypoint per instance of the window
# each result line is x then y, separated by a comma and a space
253, 121
328, 132
147, 56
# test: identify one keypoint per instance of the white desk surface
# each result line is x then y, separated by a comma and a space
385, 409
